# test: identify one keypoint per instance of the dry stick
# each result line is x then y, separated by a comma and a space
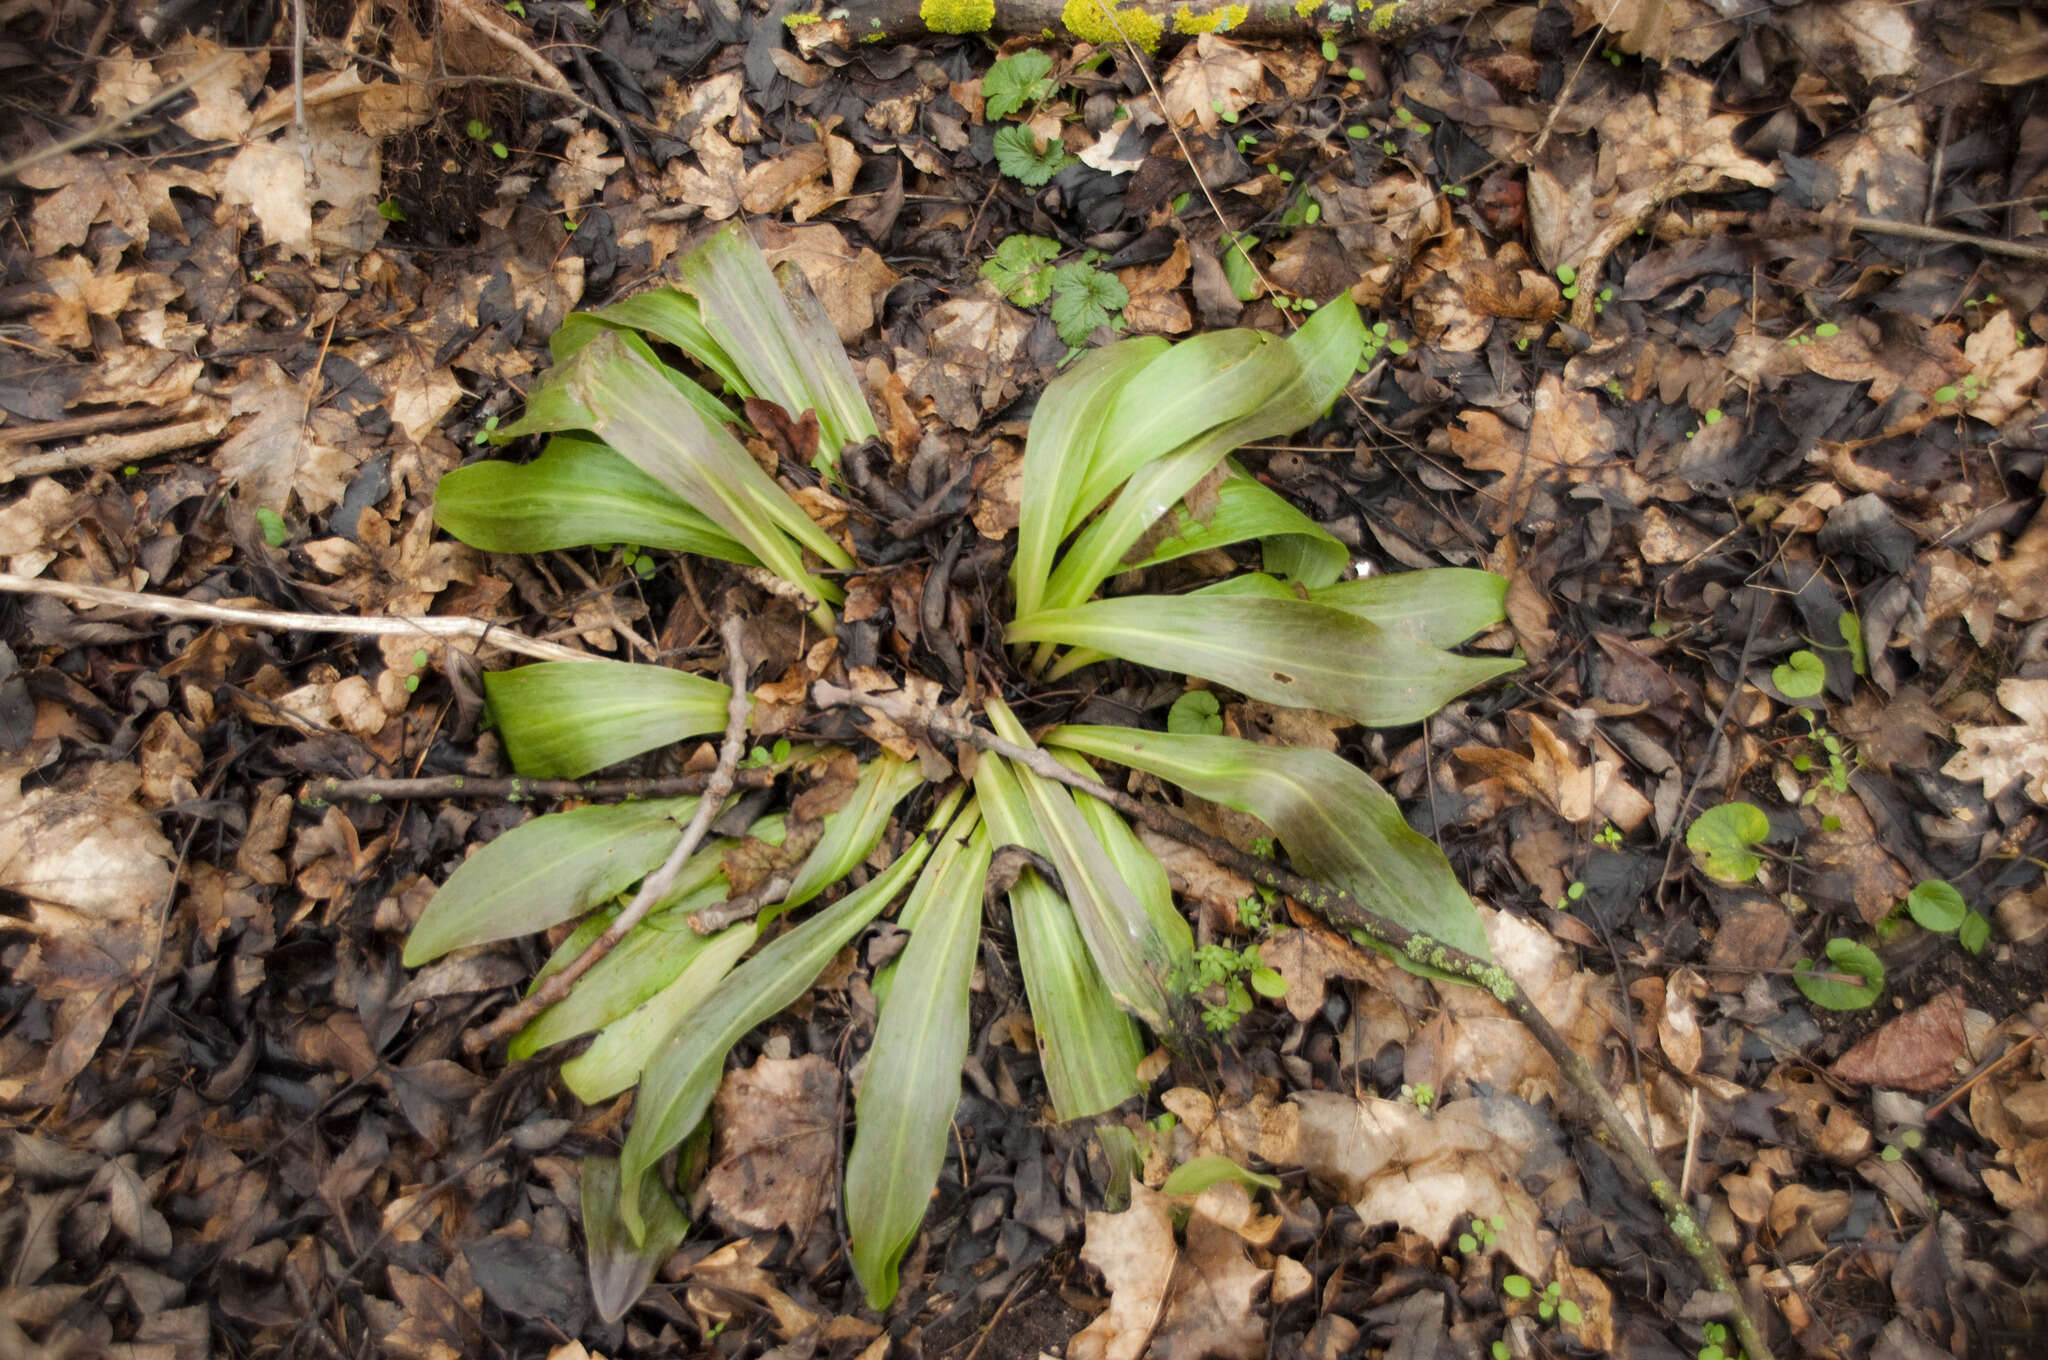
517, 789
166, 606
1914, 231
657, 884
1343, 909
111, 450
740, 906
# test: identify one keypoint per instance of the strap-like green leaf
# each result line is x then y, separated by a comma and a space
667, 314
1064, 432
620, 1268
1089, 1047
778, 338
636, 411
683, 1076
1338, 824
1441, 607
552, 407
546, 871
577, 492
1287, 652
1295, 545
622, 1050
904, 1113
563, 719
851, 832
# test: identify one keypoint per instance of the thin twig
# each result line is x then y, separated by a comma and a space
517, 789
473, 14
301, 127
740, 906
109, 125
169, 607
1344, 910
1914, 231
657, 884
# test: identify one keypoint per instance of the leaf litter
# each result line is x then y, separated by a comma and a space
1655, 363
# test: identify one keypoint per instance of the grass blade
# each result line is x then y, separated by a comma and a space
904, 1113
563, 719
1338, 824
578, 492
543, 872
1283, 651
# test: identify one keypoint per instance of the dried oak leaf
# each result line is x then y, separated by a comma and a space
778, 1145
1213, 1309
1135, 1253
1212, 80
1998, 757
1915, 1052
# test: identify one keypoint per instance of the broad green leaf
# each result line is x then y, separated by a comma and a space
620, 1267
1019, 156
1186, 391
1135, 957
779, 338
1295, 545
1844, 956
1339, 826
651, 956
543, 872
552, 407
1800, 675
1281, 387
668, 314
1064, 431
1238, 269
576, 493
1937, 906
1720, 837
1088, 1046
680, 1080
563, 719
1283, 651
1441, 607
636, 411
622, 1050
1083, 297
1139, 868
903, 1116
1851, 628
1197, 1174
851, 831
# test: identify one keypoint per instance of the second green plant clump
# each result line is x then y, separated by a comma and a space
1127, 466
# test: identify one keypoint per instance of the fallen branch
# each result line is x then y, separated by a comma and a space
1914, 231
1146, 21
517, 789
740, 906
441, 626
657, 884
1345, 910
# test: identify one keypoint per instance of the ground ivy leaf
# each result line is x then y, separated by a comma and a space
1195, 713
1800, 676
1013, 82
1937, 906
1018, 268
1720, 839
1018, 156
1844, 956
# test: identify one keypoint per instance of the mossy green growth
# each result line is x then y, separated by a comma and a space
1092, 21
799, 20
957, 16
1219, 20
1383, 16
1304, 8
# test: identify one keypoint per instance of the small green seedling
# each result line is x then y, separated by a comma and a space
1572, 893
485, 431
1937, 907
1609, 836
275, 531
390, 211
1483, 1233
1720, 839
1019, 156
1801, 675
1422, 1097
1195, 713
419, 664
1909, 1141
1239, 973
1858, 977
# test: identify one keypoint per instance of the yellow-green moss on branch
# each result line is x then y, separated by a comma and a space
1147, 23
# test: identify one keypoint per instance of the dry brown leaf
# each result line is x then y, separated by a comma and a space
1135, 1253
1210, 81
736, 1269
1851, 861
1658, 30
1212, 1312
1430, 1172
849, 284
269, 177
1569, 441
282, 450
2008, 373
778, 1145
1918, 1051
1999, 757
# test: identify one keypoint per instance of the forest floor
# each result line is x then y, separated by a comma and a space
1715, 329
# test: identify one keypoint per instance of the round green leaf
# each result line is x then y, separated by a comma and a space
1720, 837
1267, 983
1195, 714
1570, 1314
1516, 1287
1844, 956
1800, 676
1937, 906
